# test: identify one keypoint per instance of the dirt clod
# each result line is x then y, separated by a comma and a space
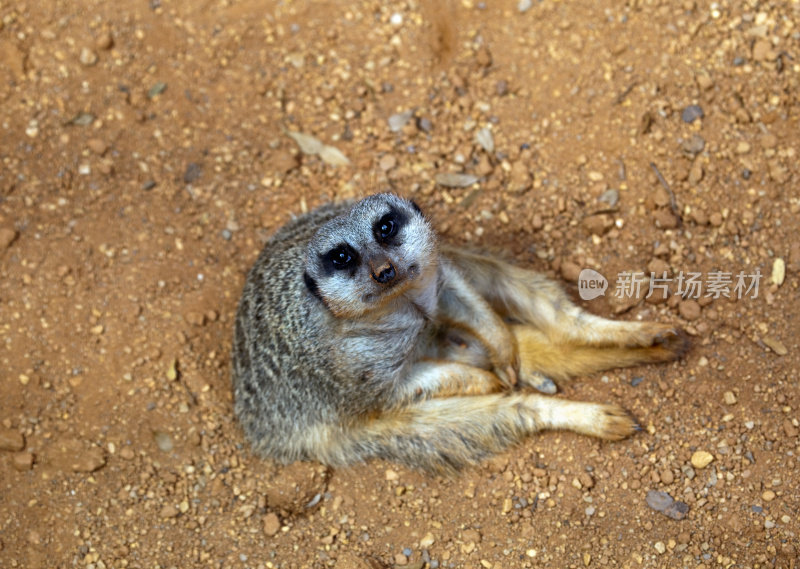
7, 237
272, 524
11, 440
23, 461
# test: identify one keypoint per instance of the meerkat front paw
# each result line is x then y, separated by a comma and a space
507, 375
538, 381
673, 339
505, 358
656, 334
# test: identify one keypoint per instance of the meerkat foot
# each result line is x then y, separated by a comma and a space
615, 423
605, 421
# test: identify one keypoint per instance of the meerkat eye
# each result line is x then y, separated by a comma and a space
342, 257
387, 227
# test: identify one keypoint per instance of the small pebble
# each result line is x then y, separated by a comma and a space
768, 496
769, 141
692, 113
156, 89
729, 397
400, 559
195, 318
501, 88
399, 120
172, 370
455, 180
775, 345
169, 511
695, 145
689, 309
192, 173
664, 219
701, 459
609, 197
387, 162
88, 461
97, 146
425, 125
524, 5
484, 138
163, 441
88, 57
778, 271
104, 41
666, 504
598, 224
272, 524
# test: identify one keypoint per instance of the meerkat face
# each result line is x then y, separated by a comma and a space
381, 249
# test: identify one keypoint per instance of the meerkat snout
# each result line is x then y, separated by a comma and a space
385, 273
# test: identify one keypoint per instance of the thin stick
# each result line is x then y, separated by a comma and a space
673, 203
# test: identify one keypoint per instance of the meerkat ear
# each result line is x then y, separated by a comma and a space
416, 207
311, 285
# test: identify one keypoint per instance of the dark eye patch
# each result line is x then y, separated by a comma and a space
340, 258
387, 227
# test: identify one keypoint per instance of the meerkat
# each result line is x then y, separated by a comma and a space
360, 336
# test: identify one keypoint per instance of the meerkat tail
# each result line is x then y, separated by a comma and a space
540, 356
443, 436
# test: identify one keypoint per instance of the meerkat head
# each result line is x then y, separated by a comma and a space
381, 249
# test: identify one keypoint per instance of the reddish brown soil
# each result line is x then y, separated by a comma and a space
144, 162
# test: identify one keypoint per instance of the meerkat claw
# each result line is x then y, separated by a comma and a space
542, 383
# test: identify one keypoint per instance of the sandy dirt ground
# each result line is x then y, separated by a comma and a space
145, 160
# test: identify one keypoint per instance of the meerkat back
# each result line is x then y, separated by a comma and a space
271, 321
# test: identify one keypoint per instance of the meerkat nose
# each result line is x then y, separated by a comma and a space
385, 273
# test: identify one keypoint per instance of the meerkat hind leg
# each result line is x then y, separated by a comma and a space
541, 358
529, 297
446, 434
